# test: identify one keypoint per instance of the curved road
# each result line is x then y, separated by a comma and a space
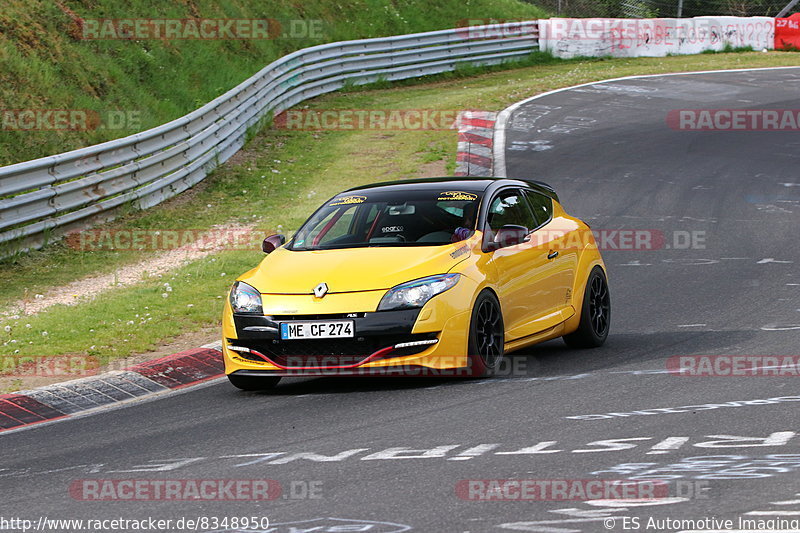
381, 456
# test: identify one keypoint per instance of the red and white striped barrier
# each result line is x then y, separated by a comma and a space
62, 400
475, 143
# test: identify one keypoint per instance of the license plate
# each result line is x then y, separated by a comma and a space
317, 330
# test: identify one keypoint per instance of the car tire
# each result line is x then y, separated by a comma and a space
253, 383
595, 321
486, 336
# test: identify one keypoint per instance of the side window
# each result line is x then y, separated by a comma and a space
541, 205
510, 207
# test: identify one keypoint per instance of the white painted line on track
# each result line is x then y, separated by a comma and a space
768, 260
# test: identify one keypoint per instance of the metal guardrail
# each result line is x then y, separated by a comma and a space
51, 196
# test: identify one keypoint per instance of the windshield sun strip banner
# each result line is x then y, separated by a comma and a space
457, 196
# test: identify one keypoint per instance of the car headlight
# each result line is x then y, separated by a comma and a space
245, 299
416, 293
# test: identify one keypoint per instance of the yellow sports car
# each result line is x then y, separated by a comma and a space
438, 276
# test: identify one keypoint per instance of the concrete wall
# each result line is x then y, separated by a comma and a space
567, 38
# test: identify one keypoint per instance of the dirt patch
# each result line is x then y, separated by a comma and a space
434, 169
254, 150
183, 342
82, 290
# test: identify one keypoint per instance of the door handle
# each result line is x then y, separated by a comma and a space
552, 255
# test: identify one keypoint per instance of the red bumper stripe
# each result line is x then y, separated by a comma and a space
377, 355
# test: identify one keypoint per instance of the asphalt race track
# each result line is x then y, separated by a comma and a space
722, 210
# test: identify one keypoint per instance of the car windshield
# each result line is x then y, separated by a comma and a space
396, 218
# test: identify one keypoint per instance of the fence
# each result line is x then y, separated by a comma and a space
47, 197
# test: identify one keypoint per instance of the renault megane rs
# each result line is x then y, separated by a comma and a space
437, 276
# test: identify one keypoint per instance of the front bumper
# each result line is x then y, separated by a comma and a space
407, 342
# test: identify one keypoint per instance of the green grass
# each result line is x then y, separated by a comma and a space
730, 49
132, 319
47, 65
313, 166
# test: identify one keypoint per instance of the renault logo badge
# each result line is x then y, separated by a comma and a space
321, 290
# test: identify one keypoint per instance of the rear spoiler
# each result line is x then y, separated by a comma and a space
541, 187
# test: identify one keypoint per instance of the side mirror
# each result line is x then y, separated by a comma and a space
273, 242
510, 235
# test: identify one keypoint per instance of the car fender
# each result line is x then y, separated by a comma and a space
479, 269
588, 258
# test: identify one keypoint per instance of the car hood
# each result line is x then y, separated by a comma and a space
353, 269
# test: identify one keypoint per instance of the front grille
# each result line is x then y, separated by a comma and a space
332, 352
